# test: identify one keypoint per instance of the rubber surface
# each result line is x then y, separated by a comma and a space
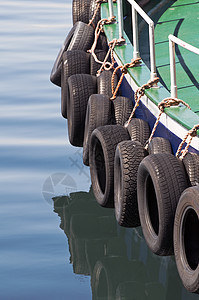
159, 145
80, 11
128, 156
98, 113
82, 38
93, 5
94, 67
160, 182
103, 144
55, 76
123, 107
74, 62
139, 130
186, 238
191, 163
81, 87
104, 83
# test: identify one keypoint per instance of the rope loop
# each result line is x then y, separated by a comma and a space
138, 94
123, 68
98, 2
191, 134
98, 30
165, 103
168, 102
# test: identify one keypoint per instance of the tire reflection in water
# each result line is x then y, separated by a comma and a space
118, 260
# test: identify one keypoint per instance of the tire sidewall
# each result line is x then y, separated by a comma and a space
190, 278
100, 196
153, 240
118, 181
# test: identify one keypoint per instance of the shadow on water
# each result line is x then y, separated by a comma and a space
117, 259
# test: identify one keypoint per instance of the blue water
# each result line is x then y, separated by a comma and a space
39, 257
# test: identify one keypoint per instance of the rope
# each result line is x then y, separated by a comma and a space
138, 95
99, 2
124, 71
165, 103
191, 133
106, 65
98, 30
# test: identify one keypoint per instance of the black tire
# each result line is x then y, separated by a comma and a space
123, 107
161, 180
74, 62
98, 113
102, 42
191, 163
104, 83
82, 38
159, 145
186, 238
55, 76
103, 144
81, 86
80, 11
128, 156
139, 130
93, 5
94, 67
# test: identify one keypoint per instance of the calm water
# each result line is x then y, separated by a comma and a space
68, 247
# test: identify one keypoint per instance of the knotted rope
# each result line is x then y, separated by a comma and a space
191, 134
165, 103
99, 2
98, 30
106, 65
138, 95
123, 68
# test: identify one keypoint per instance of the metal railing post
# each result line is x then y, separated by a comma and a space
136, 52
152, 50
174, 93
120, 19
110, 5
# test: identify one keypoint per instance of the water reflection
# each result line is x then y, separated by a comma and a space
118, 260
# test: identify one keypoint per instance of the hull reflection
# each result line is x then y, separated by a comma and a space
117, 259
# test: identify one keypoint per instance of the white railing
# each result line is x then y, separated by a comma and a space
137, 9
110, 6
172, 41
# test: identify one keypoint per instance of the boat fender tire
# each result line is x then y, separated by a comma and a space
94, 66
103, 144
160, 182
98, 113
81, 87
186, 238
55, 76
139, 130
93, 5
128, 156
104, 83
82, 38
102, 42
74, 62
123, 107
191, 163
80, 11
159, 145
